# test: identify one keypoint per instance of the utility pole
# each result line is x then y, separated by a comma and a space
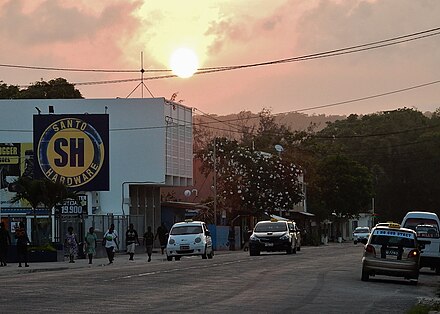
215, 184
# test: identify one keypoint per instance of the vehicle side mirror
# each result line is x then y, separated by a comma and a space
364, 241
208, 233
421, 246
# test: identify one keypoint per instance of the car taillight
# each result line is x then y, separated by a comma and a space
370, 249
413, 253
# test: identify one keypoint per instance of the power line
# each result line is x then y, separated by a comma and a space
370, 97
329, 53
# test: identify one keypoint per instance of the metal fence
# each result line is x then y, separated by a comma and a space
101, 223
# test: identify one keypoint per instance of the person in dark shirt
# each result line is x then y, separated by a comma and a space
22, 243
162, 234
131, 238
5, 242
148, 242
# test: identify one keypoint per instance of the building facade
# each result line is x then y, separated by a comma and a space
149, 146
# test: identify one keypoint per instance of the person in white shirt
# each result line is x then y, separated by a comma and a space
111, 243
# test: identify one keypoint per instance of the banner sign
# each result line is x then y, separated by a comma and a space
16, 160
73, 207
9, 154
73, 150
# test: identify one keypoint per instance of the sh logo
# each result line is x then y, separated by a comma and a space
71, 152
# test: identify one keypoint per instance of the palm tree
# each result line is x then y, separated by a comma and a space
40, 192
29, 190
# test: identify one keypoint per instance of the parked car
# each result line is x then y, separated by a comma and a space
189, 238
271, 236
392, 251
360, 233
430, 255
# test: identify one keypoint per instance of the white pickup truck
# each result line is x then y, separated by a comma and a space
427, 226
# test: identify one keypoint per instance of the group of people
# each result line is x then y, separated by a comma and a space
110, 242
22, 242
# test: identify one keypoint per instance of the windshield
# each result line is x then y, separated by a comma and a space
390, 238
270, 227
186, 230
412, 223
427, 231
362, 230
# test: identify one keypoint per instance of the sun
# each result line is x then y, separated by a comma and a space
184, 62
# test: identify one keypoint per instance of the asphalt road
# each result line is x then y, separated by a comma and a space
323, 279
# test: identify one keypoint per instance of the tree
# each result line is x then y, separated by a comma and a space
39, 192
252, 181
8, 91
399, 147
58, 88
343, 187
54, 193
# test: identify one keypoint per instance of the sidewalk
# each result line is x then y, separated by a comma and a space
121, 258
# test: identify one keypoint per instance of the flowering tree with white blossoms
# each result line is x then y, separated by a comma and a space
251, 181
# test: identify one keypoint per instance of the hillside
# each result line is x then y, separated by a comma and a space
232, 125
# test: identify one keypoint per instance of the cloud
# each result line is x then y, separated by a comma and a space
52, 23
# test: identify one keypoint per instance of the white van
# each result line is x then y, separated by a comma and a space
427, 226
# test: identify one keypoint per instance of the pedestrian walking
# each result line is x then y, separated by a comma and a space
149, 242
90, 241
131, 238
22, 244
71, 244
5, 242
246, 236
111, 243
162, 234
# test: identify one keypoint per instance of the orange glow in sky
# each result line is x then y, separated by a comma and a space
112, 35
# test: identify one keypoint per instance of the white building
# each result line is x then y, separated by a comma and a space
150, 145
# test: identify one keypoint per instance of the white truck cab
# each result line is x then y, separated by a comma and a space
427, 226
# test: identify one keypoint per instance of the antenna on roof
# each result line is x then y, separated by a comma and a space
141, 84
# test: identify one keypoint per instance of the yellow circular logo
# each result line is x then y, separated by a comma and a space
71, 152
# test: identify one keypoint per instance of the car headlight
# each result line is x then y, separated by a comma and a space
172, 241
197, 240
254, 238
285, 237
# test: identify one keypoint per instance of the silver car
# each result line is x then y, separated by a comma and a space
391, 251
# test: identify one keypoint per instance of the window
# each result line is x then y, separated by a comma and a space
412, 223
186, 230
270, 227
393, 241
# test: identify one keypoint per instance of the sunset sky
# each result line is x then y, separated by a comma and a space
111, 34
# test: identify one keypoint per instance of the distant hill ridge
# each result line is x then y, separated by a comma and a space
246, 119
